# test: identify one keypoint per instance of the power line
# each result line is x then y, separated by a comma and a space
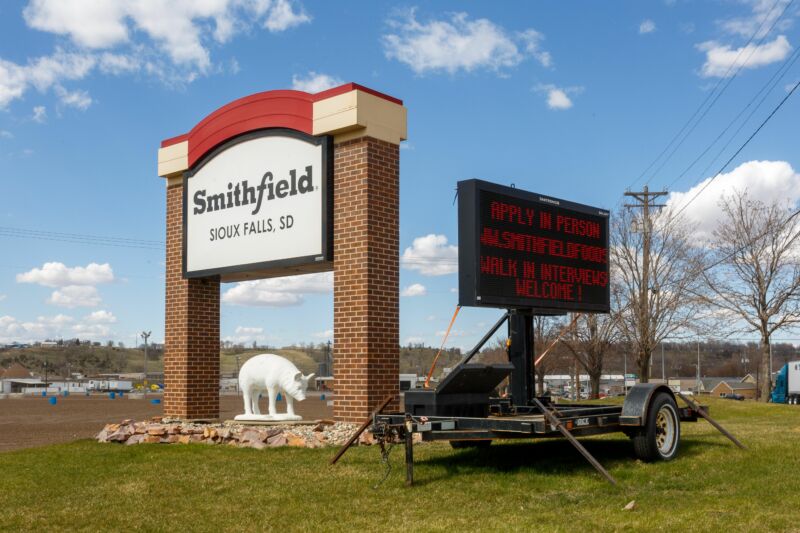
80, 238
769, 86
712, 94
742, 147
730, 80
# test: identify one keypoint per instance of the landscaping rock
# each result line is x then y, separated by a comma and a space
172, 431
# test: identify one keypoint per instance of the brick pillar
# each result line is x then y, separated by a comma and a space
366, 280
191, 347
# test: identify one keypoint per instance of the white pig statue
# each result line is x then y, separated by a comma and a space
272, 374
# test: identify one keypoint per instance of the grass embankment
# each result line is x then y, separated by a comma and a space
539, 486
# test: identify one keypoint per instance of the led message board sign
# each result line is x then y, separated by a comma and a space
518, 249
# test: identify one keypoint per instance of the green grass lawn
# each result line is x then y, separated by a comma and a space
523, 486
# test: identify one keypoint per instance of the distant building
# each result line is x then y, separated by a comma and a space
748, 390
16, 379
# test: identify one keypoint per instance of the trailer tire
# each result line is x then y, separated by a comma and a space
459, 444
658, 440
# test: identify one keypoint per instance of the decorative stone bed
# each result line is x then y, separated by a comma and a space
158, 430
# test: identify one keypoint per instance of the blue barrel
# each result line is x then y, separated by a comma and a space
112, 395
44, 393
155, 401
65, 393
322, 396
120, 394
278, 398
53, 400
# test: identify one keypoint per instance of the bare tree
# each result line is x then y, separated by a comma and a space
674, 287
757, 272
589, 341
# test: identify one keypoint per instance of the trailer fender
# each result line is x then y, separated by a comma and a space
637, 402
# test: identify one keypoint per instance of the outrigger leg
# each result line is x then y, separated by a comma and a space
578, 446
700, 411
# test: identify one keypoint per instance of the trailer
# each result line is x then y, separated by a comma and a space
787, 384
464, 409
531, 255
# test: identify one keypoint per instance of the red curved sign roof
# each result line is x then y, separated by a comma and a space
270, 109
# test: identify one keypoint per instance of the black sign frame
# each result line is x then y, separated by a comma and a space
469, 270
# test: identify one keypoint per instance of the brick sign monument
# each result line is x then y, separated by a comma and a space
276, 184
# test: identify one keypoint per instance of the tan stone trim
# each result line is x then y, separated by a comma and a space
173, 159
174, 179
360, 114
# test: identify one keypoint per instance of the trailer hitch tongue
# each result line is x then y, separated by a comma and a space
554, 421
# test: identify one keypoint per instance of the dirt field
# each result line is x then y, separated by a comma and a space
29, 422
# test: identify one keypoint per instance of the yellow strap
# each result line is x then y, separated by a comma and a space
435, 359
560, 334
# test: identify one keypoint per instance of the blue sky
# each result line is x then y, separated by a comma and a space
570, 99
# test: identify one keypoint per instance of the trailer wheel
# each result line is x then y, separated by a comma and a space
660, 437
458, 444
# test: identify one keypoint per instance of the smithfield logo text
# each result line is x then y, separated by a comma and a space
244, 194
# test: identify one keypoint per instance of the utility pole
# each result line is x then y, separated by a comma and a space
645, 200
328, 360
145, 336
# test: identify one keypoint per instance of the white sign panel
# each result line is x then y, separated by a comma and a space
257, 202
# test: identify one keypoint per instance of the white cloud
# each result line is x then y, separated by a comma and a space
39, 114
459, 43
100, 317
314, 82
2, 297
5, 134
720, 58
558, 97
57, 274
760, 19
93, 23
41, 73
118, 64
532, 40
54, 327
283, 16
77, 99
75, 296
278, 292
91, 331
431, 256
647, 26
167, 39
766, 181
247, 334
327, 334
415, 289
244, 330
